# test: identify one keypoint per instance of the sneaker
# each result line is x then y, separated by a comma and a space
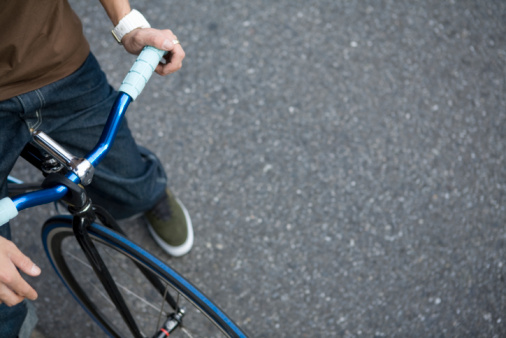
170, 225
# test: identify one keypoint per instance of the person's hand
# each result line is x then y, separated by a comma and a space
161, 39
13, 288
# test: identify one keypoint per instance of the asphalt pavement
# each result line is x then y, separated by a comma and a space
343, 163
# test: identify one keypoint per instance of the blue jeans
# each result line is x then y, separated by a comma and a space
11, 318
73, 111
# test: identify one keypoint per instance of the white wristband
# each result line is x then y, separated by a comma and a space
131, 21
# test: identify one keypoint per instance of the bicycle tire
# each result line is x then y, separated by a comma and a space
57, 234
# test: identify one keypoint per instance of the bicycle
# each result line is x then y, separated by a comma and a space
120, 295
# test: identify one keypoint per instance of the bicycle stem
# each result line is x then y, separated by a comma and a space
94, 157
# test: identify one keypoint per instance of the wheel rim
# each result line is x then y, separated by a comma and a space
147, 305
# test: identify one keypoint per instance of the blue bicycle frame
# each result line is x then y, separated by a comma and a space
131, 87
95, 156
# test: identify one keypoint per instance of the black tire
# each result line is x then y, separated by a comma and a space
121, 256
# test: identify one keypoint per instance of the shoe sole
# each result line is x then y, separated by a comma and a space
175, 251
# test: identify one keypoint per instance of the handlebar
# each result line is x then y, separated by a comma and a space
130, 88
141, 71
8, 210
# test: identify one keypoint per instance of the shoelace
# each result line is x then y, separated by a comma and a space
162, 209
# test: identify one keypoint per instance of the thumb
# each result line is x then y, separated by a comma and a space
167, 45
24, 263
162, 39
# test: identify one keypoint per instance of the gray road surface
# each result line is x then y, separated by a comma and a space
343, 162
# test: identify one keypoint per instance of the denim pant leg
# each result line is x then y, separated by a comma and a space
130, 179
11, 318
13, 137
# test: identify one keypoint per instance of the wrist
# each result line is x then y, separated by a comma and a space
128, 23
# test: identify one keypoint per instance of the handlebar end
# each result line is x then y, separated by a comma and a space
141, 71
8, 210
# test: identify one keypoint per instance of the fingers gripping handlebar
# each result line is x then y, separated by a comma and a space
141, 71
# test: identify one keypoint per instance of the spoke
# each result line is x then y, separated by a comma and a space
186, 332
139, 297
161, 308
86, 264
120, 285
144, 305
103, 294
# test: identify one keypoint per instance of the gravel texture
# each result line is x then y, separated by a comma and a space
343, 163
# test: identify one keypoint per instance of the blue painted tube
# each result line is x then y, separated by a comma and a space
12, 179
40, 197
35, 198
110, 130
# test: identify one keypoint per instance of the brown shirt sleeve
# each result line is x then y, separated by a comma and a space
41, 41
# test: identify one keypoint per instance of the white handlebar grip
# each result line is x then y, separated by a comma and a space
7, 210
141, 71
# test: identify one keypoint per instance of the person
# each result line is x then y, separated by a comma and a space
50, 81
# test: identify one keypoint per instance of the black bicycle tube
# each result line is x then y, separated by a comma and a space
80, 224
107, 220
33, 155
181, 284
134, 252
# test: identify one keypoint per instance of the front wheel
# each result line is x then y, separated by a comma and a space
150, 307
